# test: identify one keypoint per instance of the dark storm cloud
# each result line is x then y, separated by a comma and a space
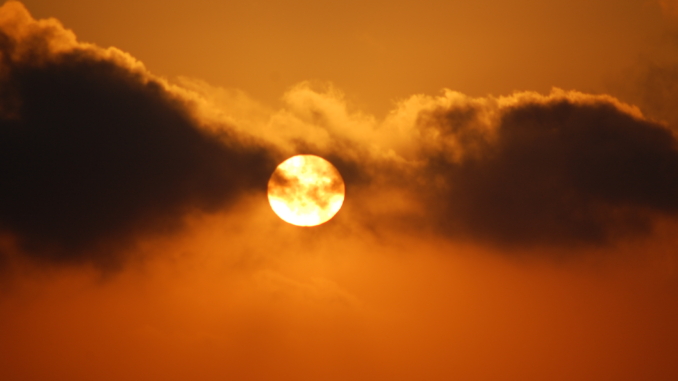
94, 153
558, 172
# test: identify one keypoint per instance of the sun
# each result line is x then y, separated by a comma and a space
306, 190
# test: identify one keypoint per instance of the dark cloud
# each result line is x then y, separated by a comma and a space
94, 152
558, 172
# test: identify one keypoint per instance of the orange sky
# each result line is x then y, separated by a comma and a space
496, 230
377, 51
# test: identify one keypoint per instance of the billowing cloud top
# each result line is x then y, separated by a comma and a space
95, 151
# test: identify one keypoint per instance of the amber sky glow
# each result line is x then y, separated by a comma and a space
511, 174
376, 51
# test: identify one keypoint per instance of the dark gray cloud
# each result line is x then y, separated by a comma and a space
561, 172
94, 153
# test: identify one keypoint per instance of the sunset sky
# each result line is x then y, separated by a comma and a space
510, 168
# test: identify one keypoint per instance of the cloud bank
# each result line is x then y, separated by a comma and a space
563, 169
96, 152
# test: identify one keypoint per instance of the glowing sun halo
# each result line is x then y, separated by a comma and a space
306, 190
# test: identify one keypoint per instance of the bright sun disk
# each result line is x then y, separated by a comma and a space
306, 190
